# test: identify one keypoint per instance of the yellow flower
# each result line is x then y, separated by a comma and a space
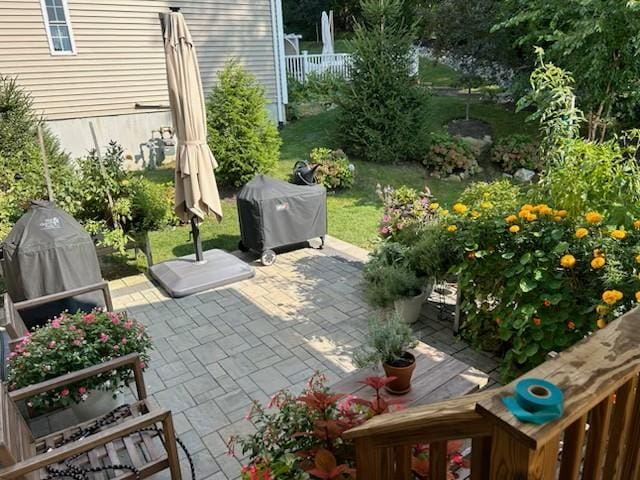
452, 228
486, 205
545, 210
511, 219
597, 263
561, 213
602, 310
444, 212
557, 218
514, 228
527, 206
637, 258
602, 323
593, 217
638, 296
531, 217
434, 206
475, 214
460, 208
524, 213
598, 253
582, 232
611, 296
568, 261
636, 224
619, 234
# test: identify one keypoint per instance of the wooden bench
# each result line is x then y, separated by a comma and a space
437, 376
121, 443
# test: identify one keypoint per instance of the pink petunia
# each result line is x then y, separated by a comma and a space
124, 340
82, 390
52, 344
104, 338
55, 323
128, 324
64, 392
77, 342
72, 328
116, 347
89, 318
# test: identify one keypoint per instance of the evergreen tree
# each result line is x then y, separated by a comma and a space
382, 106
242, 136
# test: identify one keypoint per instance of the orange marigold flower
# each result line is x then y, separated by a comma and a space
452, 228
601, 323
568, 261
514, 228
545, 210
537, 321
638, 296
582, 232
471, 255
527, 206
619, 234
546, 303
636, 224
511, 219
571, 325
598, 253
602, 310
460, 208
593, 217
561, 213
531, 217
597, 263
637, 258
557, 218
610, 297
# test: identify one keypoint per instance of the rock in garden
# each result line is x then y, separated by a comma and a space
524, 175
454, 178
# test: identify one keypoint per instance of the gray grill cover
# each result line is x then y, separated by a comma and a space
46, 252
274, 213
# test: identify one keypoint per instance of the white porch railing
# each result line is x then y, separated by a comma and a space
300, 67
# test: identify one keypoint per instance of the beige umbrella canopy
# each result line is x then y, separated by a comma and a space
196, 190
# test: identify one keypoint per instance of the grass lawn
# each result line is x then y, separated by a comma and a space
353, 214
340, 46
436, 74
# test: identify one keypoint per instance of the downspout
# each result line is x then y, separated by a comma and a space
278, 54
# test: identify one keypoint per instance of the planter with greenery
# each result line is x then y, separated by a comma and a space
71, 342
389, 342
404, 208
334, 170
391, 281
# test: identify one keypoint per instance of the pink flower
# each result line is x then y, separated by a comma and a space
128, 324
143, 365
82, 390
77, 342
115, 318
55, 323
64, 392
384, 230
124, 340
52, 344
399, 226
72, 328
89, 318
104, 338
116, 347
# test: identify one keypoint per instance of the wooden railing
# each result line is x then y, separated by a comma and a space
597, 438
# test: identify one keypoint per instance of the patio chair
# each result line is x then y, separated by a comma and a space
19, 316
143, 440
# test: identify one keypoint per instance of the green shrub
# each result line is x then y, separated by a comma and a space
380, 118
316, 88
21, 167
499, 194
450, 155
516, 151
334, 171
388, 275
242, 136
389, 339
152, 207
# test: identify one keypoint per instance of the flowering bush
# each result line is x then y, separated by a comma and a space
404, 207
71, 342
537, 279
334, 171
516, 151
300, 437
450, 155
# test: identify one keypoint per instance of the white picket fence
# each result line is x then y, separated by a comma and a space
299, 67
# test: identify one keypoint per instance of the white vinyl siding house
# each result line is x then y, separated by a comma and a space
114, 73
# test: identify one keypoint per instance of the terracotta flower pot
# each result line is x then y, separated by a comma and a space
402, 370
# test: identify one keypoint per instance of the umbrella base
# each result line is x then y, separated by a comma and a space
185, 276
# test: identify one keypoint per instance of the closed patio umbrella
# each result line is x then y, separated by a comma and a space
196, 190
327, 35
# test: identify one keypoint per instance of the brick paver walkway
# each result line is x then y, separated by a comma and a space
218, 350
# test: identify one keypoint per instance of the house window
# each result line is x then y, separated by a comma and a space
58, 26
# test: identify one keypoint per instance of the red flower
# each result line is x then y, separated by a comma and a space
319, 401
64, 392
82, 390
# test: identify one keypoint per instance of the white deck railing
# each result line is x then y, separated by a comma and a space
300, 67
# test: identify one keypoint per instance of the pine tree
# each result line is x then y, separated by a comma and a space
382, 106
242, 136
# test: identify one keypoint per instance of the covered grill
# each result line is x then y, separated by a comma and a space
47, 252
274, 213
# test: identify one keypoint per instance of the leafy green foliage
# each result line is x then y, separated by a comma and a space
502, 195
381, 107
389, 338
599, 41
242, 137
448, 155
334, 170
517, 151
71, 342
388, 276
404, 208
152, 207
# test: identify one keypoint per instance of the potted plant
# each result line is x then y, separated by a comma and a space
390, 340
72, 342
390, 281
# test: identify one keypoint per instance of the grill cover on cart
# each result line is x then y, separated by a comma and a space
46, 252
274, 213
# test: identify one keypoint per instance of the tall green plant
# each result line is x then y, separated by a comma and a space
381, 107
242, 136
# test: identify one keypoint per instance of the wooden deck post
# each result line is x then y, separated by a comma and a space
511, 458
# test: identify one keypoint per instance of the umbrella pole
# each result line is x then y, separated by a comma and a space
197, 242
